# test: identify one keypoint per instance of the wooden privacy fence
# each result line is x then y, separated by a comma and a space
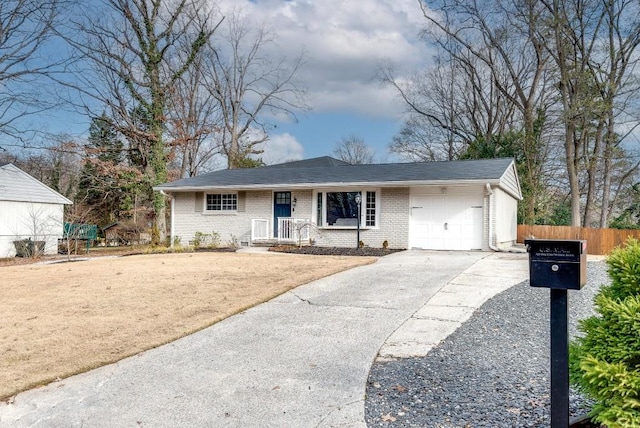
599, 241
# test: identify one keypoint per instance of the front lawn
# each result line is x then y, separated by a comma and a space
60, 319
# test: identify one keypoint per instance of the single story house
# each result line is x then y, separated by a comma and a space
458, 205
28, 210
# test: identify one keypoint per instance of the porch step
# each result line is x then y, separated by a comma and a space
275, 243
264, 243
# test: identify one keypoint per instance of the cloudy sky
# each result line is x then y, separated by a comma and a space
344, 41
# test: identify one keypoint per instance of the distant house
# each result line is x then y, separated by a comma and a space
28, 210
461, 205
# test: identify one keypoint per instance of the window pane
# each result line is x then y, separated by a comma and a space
229, 202
283, 198
319, 211
222, 202
214, 202
342, 209
370, 213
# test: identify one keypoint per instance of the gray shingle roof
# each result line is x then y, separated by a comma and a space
309, 163
332, 172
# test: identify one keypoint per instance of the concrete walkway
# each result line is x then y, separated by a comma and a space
300, 360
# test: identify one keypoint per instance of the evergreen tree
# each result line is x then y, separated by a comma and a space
605, 362
100, 184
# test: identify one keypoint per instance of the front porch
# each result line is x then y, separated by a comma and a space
289, 231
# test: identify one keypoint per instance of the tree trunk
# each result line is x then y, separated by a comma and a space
606, 191
592, 172
606, 174
572, 171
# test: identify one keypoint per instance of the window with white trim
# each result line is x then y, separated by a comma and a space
370, 209
340, 209
221, 202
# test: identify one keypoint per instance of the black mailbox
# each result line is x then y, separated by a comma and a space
557, 264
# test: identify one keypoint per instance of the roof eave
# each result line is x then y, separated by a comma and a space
276, 186
63, 201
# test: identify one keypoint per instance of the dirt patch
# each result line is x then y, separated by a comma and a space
60, 319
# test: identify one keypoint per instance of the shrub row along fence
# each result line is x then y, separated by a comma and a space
599, 241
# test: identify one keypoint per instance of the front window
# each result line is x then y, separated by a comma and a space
222, 202
340, 209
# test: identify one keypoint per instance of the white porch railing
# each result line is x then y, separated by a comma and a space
259, 229
289, 230
293, 229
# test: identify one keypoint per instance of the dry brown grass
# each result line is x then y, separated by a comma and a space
60, 319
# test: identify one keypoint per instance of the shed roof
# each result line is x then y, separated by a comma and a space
16, 185
330, 172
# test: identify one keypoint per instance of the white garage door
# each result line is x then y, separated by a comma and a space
446, 222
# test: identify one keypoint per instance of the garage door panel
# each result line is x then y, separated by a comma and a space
446, 222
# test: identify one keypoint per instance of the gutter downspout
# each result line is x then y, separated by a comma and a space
489, 212
173, 216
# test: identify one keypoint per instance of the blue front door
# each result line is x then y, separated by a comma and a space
281, 208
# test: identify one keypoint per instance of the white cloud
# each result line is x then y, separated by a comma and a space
365, 98
344, 42
282, 148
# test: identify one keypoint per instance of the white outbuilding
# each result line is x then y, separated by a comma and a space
29, 210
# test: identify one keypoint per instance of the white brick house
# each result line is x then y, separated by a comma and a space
461, 205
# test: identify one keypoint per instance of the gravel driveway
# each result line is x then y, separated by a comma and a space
492, 372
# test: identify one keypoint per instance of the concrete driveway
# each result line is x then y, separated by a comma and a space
300, 360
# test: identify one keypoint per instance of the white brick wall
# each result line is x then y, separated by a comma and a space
393, 206
188, 221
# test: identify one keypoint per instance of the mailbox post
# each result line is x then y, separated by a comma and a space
559, 266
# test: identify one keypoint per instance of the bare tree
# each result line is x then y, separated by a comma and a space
593, 46
415, 141
449, 105
26, 27
57, 166
503, 43
434, 129
550, 70
132, 49
194, 121
354, 150
251, 84
618, 89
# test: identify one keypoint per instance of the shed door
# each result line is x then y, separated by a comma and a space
446, 222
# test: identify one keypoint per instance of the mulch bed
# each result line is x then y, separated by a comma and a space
334, 251
216, 250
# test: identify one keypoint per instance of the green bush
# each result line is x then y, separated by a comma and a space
605, 362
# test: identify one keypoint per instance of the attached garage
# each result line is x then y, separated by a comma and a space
446, 221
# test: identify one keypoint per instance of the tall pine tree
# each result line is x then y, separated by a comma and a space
101, 187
